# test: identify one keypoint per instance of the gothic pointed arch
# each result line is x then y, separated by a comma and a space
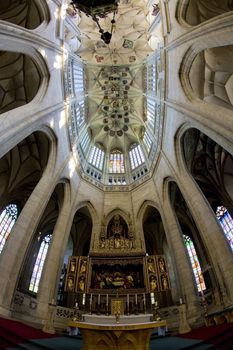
194, 12
206, 74
199, 257
35, 258
21, 169
24, 13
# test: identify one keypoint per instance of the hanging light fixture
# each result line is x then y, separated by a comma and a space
98, 9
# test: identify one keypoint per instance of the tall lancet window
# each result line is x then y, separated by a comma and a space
96, 157
116, 162
195, 264
136, 156
226, 222
8, 218
38, 267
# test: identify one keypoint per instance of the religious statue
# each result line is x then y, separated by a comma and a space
116, 226
83, 267
81, 284
164, 281
151, 266
72, 266
153, 283
70, 284
161, 263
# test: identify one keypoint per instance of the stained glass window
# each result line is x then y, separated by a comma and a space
8, 218
136, 156
116, 162
38, 267
97, 157
226, 222
195, 264
147, 141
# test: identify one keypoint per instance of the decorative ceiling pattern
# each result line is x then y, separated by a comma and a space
116, 105
129, 43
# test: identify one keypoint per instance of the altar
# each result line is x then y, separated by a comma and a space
104, 333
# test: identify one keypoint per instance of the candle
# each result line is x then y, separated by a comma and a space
107, 300
99, 299
84, 298
76, 304
181, 301
128, 299
91, 299
136, 299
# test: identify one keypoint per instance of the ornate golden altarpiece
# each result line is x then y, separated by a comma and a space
116, 268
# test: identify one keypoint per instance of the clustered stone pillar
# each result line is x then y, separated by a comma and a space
176, 243
212, 236
14, 253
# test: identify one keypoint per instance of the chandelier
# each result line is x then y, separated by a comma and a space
98, 9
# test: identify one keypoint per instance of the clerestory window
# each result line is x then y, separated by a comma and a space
136, 156
116, 162
8, 218
96, 157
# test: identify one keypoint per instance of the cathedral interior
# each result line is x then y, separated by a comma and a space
116, 161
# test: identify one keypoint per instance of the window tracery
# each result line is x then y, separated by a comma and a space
116, 162
8, 218
39, 264
195, 264
136, 156
97, 157
226, 223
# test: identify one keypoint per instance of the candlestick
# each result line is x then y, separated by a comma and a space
144, 298
136, 299
99, 299
107, 300
128, 299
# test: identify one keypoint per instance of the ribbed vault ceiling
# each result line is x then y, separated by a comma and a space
129, 42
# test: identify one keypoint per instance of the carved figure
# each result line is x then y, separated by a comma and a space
153, 283
83, 267
162, 267
151, 267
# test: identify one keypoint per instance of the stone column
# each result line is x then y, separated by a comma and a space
211, 234
12, 257
183, 266
51, 271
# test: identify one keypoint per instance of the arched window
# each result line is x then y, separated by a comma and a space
79, 113
38, 267
85, 141
195, 264
116, 162
8, 218
97, 157
151, 111
136, 156
147, 141
226, 222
